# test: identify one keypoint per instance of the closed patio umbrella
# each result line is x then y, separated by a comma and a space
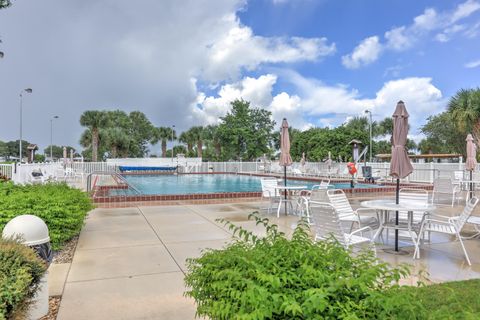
64, 155
471, 162
400, 166
302, 161
285, 158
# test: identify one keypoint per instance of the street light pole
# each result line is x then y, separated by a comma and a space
173, 128
27, 90
370, 122
51, 137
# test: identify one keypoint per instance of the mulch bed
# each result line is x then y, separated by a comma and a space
54, 305
66, 254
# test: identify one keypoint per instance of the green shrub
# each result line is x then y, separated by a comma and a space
62, 208
20, 273
278, 278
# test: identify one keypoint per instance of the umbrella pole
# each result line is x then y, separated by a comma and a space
471, 184
397, 201
285, 184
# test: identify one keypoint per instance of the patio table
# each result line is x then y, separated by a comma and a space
288, 199
387, 205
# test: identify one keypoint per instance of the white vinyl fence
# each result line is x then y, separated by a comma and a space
6, 170
423, 172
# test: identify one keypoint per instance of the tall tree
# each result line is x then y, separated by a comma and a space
187, 138
94, 120
211, 134
464, 108
198, 135
141, 132
117, 141
246, 132
163, 134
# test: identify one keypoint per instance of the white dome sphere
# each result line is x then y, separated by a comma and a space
30, 228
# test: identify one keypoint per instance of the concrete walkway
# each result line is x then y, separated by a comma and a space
130, 262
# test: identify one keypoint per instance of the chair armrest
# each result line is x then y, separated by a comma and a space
438, 216
367, 228
362, 229
365, 210
446, 223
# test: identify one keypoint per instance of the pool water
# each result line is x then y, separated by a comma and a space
207, 183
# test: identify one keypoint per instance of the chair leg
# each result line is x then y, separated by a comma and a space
464, 250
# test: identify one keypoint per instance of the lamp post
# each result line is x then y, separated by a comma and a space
370, 127
173, 130
27, 90
51, 137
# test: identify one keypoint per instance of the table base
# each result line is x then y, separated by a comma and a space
400, 252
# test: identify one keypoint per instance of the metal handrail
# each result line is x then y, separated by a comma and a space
112, 173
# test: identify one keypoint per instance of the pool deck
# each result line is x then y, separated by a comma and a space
130, 262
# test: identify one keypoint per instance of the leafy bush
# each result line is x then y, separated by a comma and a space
277, 278
20, 273
62, 208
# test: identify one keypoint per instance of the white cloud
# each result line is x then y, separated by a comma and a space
398, 39
401, 38
429, 20
464, 10
473, 64
320, 104
240, 48
447, 33
365, 53
472, 31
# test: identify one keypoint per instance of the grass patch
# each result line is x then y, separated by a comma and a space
449, 300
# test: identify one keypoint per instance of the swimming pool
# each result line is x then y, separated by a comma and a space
207, 183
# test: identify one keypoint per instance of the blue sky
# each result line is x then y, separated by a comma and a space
182, 62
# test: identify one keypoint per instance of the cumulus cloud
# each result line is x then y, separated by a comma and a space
365, 53
401, 38
240, 48
320, 104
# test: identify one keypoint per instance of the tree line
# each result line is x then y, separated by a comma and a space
245, 133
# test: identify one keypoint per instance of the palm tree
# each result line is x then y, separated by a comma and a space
163, 134
212, 135
465, 110
187, 138
94, 120
117, 140
198, 133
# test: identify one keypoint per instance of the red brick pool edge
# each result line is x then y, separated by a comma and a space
101, 198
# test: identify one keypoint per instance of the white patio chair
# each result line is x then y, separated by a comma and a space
327, 223
324, 184
346, 213
445, 186
448, 225
457, 178
410, 195
269, 193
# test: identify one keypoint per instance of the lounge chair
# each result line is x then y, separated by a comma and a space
346, 213
448, 225
327, 223
445, 186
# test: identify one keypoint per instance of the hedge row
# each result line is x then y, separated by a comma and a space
62, 208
